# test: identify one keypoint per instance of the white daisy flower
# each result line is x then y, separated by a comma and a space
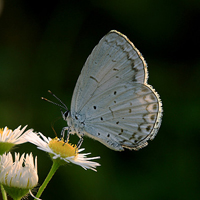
19, 176
9, 138
62, 151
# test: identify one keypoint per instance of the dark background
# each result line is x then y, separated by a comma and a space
44, 44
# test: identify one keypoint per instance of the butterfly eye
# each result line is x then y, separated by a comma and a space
65, 114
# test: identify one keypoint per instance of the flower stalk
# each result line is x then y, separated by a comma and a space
52, 171
3, 192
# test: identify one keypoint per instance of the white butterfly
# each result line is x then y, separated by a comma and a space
112, 101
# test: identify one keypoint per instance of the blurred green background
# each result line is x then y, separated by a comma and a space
44, 44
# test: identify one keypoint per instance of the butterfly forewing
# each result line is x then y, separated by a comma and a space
114, 60
120, 109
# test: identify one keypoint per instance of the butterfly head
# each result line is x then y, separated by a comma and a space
65, 114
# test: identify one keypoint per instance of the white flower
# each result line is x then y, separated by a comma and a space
63, 151
15, 137
9, 138
22, 173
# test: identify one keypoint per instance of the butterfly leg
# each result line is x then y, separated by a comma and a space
63, 134
80, 143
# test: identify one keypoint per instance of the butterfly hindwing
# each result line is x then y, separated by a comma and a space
126, 117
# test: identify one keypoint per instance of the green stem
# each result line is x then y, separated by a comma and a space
3, 192
53, 169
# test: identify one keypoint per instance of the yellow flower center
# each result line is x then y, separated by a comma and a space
62, 148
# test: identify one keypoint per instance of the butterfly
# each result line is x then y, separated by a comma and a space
112, 101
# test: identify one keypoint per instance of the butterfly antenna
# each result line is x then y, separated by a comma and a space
53, 102
63, 105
